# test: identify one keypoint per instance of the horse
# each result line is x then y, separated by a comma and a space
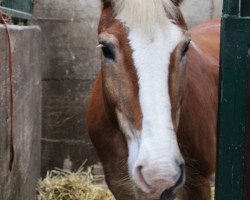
153, 108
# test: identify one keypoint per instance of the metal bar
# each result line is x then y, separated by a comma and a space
235, 38
245, 8
231, 7
15, 13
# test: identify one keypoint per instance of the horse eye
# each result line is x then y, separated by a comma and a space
185, 48
108, 50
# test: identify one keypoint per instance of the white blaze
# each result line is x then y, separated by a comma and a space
151, 57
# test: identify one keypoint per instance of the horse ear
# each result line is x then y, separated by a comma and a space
177, 2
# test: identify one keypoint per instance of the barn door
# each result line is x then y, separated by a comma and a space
233, 148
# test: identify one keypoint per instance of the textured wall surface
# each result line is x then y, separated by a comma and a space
19, 184
69, 65
217, 8
197, 11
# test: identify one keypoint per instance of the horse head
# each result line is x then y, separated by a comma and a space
143, 47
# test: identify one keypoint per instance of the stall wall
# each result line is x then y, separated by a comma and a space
19, 183
70, 61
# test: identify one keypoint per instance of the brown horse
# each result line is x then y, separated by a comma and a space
152, 113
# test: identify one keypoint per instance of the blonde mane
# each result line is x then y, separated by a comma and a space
144, 14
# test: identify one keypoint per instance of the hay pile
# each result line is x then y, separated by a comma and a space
81, 185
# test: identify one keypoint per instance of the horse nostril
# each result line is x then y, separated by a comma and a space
139, 172
170, 193
141, 179
182, 176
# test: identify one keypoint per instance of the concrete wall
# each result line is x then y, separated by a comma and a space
20, 183
197, 11
217, 8
69, 65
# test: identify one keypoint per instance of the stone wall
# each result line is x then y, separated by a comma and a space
20, 182
69, 65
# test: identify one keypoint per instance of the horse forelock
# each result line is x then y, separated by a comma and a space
145, 14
